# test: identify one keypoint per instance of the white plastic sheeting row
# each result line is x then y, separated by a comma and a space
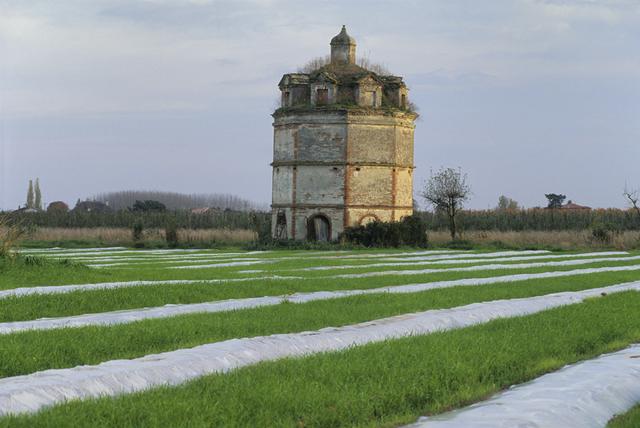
31, 392
467, 259
582, 395
218, 265
62, 250
489, 254
186, 264
137, 263
167, 311
405, 254
147, 254
409, 258
121, 251
445, 259
487, 267
151, 257
96, 252
59, 289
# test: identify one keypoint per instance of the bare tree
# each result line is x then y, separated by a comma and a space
447, 190
315, 64
377, 68
633, 196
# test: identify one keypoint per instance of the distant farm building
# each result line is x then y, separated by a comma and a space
343, 148
570, 205
92, 207
26, 210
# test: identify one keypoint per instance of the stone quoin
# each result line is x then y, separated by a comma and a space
342, 150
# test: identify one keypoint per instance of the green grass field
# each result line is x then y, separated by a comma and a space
389, 383
631, 419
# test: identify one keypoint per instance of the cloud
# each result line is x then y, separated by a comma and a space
121, 78
73, 56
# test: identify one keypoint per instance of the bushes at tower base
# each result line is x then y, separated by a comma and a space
410, 231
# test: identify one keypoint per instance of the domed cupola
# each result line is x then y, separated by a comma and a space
343, 48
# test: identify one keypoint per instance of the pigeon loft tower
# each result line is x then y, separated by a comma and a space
342, 150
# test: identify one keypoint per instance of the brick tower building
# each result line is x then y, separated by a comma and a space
343, 148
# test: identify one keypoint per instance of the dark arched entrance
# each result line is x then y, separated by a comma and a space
319, 228
281, 225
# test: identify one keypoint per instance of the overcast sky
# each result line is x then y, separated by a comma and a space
527, 96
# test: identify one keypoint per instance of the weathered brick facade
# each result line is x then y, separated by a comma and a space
343, 148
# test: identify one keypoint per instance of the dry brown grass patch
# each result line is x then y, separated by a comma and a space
124, 235
556, 239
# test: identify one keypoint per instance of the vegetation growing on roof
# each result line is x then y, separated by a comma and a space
319, 62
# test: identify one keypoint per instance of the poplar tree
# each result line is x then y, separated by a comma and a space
38, 197
30, 197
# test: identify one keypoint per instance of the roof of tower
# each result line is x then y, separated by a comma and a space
292, 79
343, 38
342, 71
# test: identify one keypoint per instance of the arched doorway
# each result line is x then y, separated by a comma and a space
319, 228
281, 226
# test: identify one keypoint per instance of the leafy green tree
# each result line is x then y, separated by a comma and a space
555, 200
507, 204
171, 232
30, 196
148, 206
137, 233
57, 207
38, 196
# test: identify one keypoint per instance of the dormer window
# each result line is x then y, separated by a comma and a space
285, 99
322, 96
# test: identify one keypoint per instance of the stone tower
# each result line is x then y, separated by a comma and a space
342, 149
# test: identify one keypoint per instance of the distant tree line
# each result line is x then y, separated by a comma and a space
535, 219
222, 219
496, 219
176, 201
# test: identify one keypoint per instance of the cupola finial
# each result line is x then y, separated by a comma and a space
343, 48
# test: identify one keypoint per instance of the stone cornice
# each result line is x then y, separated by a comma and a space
343, 206
339, 163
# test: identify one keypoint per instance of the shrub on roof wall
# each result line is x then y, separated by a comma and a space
410, 231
